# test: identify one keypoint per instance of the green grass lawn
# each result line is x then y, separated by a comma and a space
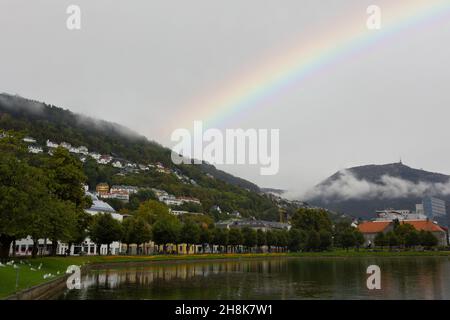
29, 278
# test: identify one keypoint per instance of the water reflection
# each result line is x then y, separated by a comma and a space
283, 278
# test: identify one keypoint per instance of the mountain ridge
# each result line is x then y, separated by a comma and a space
361, 190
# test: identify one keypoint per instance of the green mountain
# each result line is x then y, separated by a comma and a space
211, 186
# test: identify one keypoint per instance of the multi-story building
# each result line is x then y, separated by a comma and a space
102, 188
123, 188
434, 207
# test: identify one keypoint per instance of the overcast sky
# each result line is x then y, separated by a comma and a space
143, 63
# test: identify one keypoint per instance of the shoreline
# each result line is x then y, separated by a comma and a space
99, 262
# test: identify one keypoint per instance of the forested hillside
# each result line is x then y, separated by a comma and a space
212, 187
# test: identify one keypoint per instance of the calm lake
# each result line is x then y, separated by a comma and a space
273, 278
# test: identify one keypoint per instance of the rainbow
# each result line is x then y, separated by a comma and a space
297, 63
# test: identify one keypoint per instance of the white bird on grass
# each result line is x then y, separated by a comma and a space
40, 266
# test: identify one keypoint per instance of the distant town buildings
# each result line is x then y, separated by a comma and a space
253, 224
392, 214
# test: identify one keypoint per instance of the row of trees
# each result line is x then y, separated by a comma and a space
405, 235
312, 231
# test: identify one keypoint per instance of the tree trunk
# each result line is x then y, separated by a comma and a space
54, 247
128, 248
14, 248
98, 249
5, 244
35, 249
70, 248
107, 249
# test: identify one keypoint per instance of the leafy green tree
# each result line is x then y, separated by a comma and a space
296, 240
402, 231
63, 217
142, 232
348, 239
392, 239
20, 186
260, 239
312, 219
206, 237
359, 238
166, 230
128, 232
190, 234
249, 238
313, 240
427, 239
152, 210
220, 237
412, 239
235, 238
282, 239
380, 240
67, 177
144, 195
271, 239
105, 229
325, 240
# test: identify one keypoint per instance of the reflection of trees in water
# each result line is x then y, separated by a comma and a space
416, 278
327, 278
112, 278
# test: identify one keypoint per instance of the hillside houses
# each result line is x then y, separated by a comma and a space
170, 200
117, 164
125, 166
253, 224
51, 144
95, 155
35, 149
29, 140
119, 192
